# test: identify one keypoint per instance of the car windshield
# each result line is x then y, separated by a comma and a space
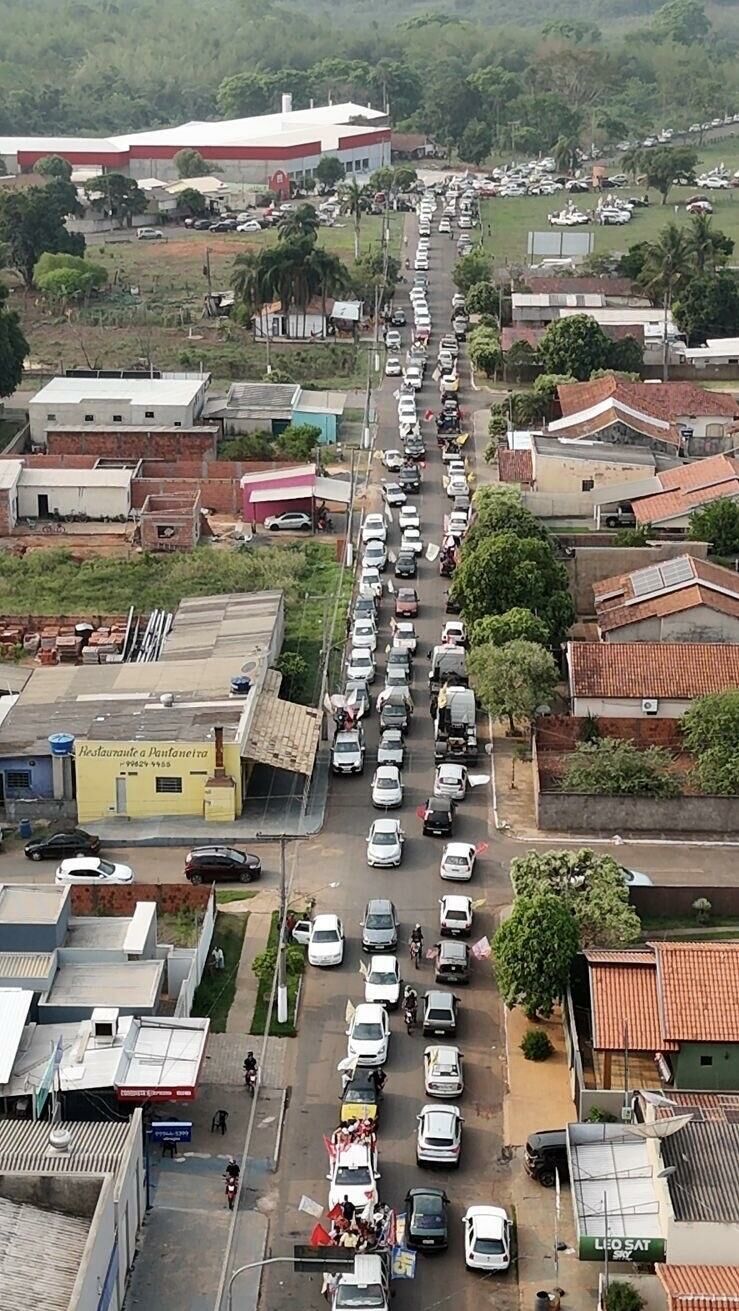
379, 921
345, 748
388, 783
105, 867
456, 915
490, 1246
352, 1295
357, 1177
382, 978
326, 935
367, 1032
381, 839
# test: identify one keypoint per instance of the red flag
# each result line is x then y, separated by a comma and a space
481, 848
428, 414
330, 1147
320, 1237
335, 1212
421, 811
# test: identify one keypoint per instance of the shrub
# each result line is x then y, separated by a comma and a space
597, 1115
702, 908
623, 1296
536, 1045
611, 767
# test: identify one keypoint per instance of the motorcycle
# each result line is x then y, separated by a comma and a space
250, 1081
414, 951
409, 1016
232, 1187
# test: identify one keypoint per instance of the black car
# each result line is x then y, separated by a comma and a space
221, 865
452, 964
60, 846
406, 565
545, 1154
201, 225
394, 714
438, 817
427, 1219
410, 478
398, 320
453, 606
224, 225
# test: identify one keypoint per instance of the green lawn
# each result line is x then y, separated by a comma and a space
215, 994
226, 895
259, 1019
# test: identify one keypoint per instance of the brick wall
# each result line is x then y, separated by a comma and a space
134, 443
561, 733
7, 522
121, 900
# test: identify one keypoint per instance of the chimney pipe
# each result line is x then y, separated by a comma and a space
287, 102
218, 735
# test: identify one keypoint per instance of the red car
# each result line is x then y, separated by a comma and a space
406, 603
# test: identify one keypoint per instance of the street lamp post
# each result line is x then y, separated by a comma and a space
268, 1260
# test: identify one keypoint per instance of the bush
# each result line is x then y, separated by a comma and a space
265, 964
622, 1296
597, 1115
702, 908
536, 1045
632, 537
615, 768
498, 421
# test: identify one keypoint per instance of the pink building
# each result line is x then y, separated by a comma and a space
296, 487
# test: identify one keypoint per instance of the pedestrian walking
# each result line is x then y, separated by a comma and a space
219, 1122
347, 1209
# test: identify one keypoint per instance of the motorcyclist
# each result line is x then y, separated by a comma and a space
415, 944
250, 1068
233, 1170
410, 1003
417, 935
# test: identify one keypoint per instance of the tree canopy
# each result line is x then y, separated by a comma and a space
719, 525
533, 951
13, 347
506, 571
514, 680
592, 887
576, 346
614, 767
517, 624
710, 729
32, 222
190, 164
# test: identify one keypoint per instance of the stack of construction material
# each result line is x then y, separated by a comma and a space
10, 639
68, 645
49, 634
104, 642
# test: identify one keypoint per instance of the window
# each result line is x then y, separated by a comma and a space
18, 780
50, 418
714, 430
166, 783
706, 1061
89, 418
177, 423
148, 414
588, 484
365, 165
117, 418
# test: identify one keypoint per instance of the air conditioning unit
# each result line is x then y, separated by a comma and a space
649, 706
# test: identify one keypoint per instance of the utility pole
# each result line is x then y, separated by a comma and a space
206, 270
281, 962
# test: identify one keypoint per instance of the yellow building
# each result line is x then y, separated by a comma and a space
171, 737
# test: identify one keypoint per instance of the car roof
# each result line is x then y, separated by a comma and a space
459, 849
439, 803
452, 901
376, 904
437, 997
388, 771
326, 921
353, 1154
217, 849
451, 948
444, 1055
367, 1011
447, 767
383, 960
426, 1192
82, 862
489, 1220
440, 1118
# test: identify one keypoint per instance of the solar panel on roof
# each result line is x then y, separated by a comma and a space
676, 571
646, 581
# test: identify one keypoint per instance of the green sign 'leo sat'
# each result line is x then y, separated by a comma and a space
641, 1250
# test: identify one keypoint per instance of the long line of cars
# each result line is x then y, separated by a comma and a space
396, 537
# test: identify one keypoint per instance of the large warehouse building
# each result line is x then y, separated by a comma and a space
241, 149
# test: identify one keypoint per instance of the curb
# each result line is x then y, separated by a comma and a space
280, 1128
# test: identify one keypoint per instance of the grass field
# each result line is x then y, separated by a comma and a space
512, 220
217, 989
154, 310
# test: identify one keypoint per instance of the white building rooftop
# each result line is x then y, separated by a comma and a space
15, 1004
76, 477
40, 1256
162, 1058
179, 389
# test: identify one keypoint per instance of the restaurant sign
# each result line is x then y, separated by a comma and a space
643, 1251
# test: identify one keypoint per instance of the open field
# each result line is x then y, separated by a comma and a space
154, 310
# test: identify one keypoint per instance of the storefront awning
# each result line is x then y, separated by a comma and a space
284, 735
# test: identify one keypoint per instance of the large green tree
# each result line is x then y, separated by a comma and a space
708, 306
13, 347
719, 525
470, 269
514, 680
576, 346
663, 164
506, 571
517, 624
682, 21
499, 508
592, 887
476, 142
243, 95
116, 195
300, 222
67, 277
53, 166
32, 222
710, 729
533, 951
190, 164
484, 351
329, 171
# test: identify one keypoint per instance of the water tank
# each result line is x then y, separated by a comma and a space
166, 699
240, 685
25, 829
61, 744
542, 1301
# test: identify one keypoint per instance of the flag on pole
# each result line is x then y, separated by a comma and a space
335, 1211
349, 1012
309, 1206
320, 1237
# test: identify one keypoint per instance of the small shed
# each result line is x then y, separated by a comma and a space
323, 409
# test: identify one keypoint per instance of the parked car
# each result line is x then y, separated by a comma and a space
439, 1136
374, 555
487, 1238
406, 565
324, 938
55, 846
385, 846
218, 864
393, 368
426, 1219
149, 234
392, 339
406, 602
361, 664
347, 752
545, 1155
387, 788
379, 925
405, 643
249, 225
393, 494
292, 521
440, 1013
443, 1072
391, 749
92, 869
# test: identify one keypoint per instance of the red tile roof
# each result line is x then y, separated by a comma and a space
590, 425
673, 993
687, 487
547, 286
617, 605
665, 670
661, 400
698, 989
700, 1287
515, 466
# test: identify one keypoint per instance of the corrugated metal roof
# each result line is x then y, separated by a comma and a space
24, 965
705, 1184
14, 1007
40, 1256
96, 1147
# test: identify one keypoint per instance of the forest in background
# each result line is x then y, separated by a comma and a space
598, 70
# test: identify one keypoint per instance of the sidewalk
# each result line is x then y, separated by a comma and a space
261, 909
514, 782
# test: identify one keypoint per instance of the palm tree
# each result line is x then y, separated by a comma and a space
297, 223
247, 284
331, 274
632, 161
707, 247
566, 153
287, 275
668, 262
351, 194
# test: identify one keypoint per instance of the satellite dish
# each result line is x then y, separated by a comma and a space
660, 1128
249, 667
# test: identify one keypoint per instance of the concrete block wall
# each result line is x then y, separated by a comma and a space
121, 900
7, 516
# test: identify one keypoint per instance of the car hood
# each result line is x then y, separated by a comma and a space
381, 937
357, 1194
366, 1046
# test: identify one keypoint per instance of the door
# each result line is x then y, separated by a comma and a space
43, 507
120, 796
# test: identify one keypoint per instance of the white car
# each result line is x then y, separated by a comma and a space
324, 938
392, 459
450, 780
150, 234
385, 844
375, 555
251, 225
361, 664
439, 1136
455, 916
457, 487
292, 521
458, 862
370, 582
454, 632
445, 226
387, 788
364, 634
421, 263
392, 339
92, 869
354, 1175
407, 411
393, 494
369, 1034
408, 517
443, 1072
382, 981
391, 749
487, 1238
374, 528
404, 637
412, 540
413, 377
392, 366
